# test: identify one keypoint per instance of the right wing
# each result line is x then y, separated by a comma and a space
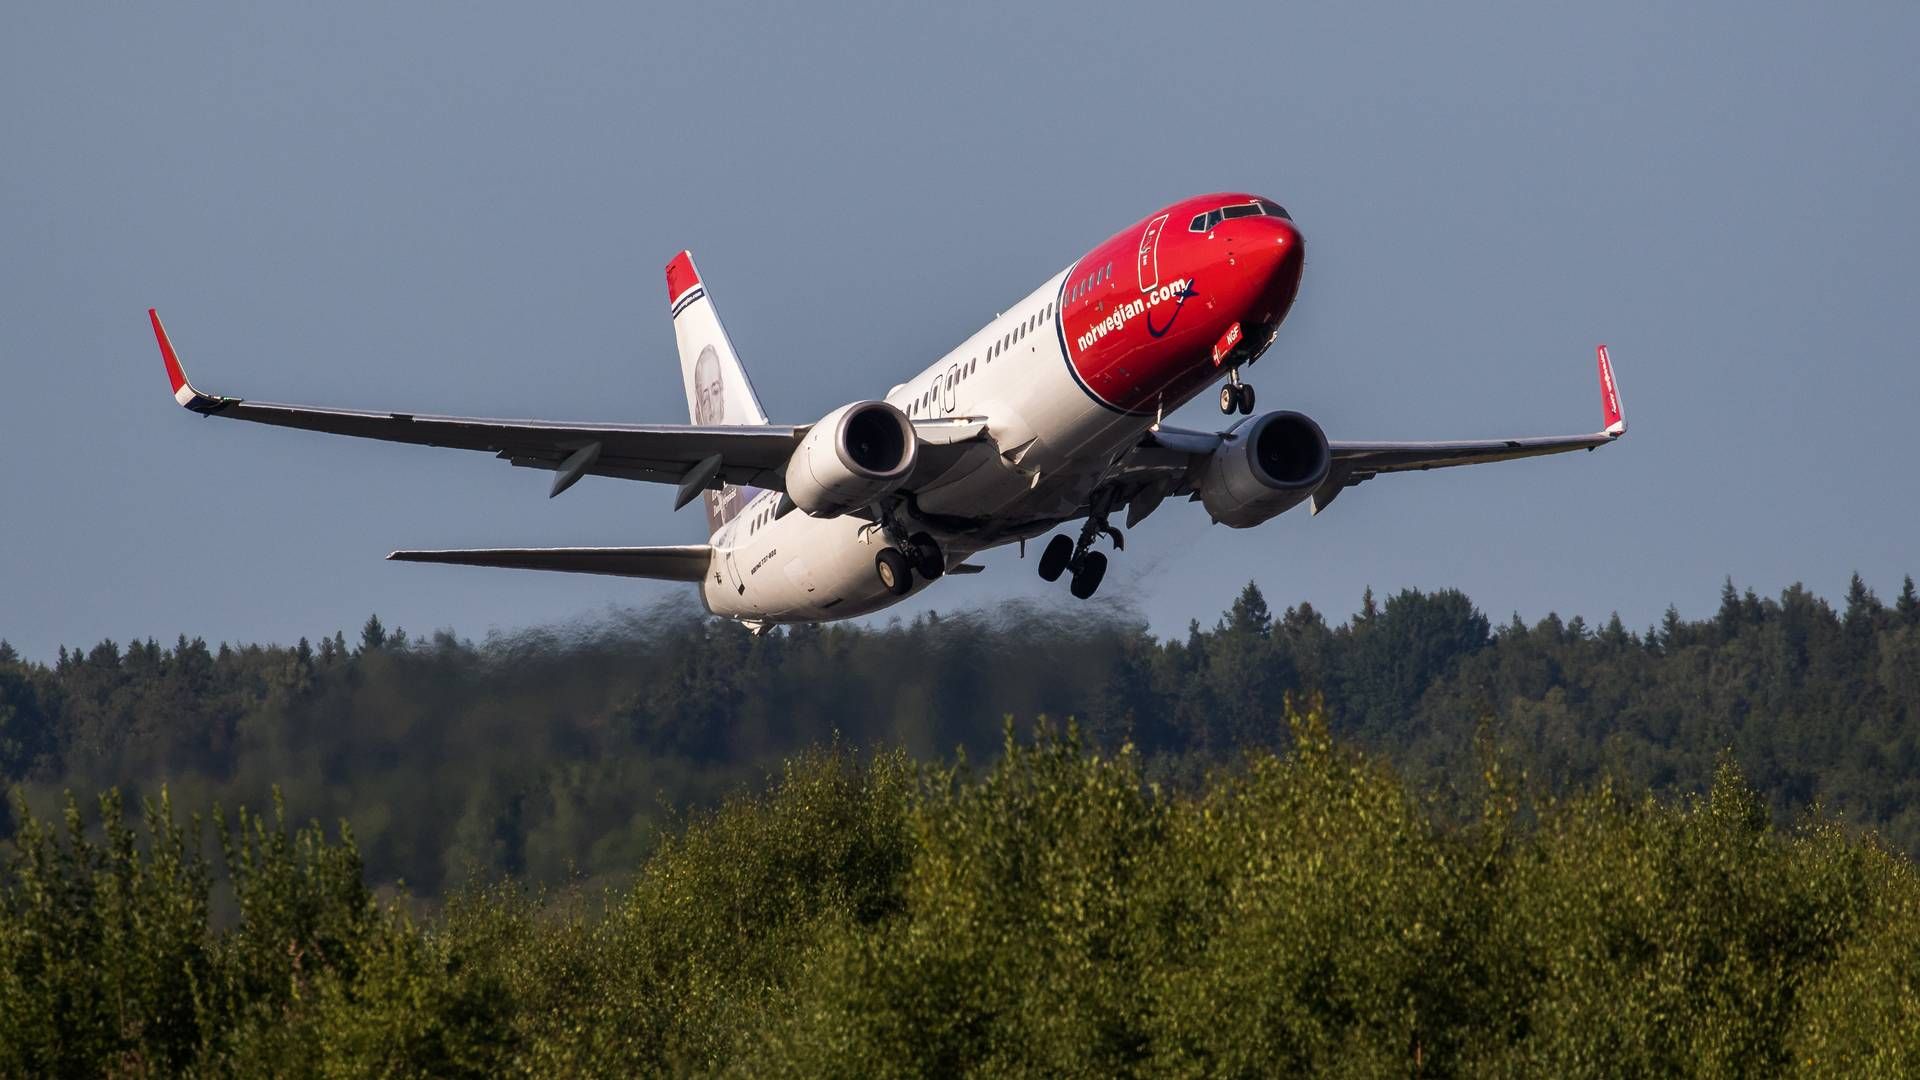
1173, 461
683, 563
695, 457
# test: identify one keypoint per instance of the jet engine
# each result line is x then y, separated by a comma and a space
854, 455
1266, 467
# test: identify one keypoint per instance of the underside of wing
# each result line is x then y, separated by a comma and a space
695, 457
682, 563
747, 455
1175, 461
1354, 462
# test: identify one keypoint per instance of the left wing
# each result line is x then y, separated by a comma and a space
695, 457
1177, 459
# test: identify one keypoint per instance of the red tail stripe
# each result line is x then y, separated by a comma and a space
681, 276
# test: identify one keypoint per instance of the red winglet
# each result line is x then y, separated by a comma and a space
174, 374
1610, 411
183, 391
681, 276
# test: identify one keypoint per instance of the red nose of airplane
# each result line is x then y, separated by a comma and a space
1273, 256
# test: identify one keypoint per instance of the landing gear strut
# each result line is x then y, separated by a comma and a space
1236, 396
1087, 566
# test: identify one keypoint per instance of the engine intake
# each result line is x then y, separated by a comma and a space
854, 455
1265, 469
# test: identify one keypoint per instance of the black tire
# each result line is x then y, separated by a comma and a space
894, 572
927, 559
1228, 399
1054, 560
1086, 580
1246, 400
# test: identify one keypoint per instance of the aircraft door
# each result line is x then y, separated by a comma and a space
946, 392
1147, 265
734, 580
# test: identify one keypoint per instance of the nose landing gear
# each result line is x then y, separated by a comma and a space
1087, 567
1236, 396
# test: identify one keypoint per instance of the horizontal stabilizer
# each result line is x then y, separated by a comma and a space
683, 563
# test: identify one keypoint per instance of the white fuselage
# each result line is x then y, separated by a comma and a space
1053, 442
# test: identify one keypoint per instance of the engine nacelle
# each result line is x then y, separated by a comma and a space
854, 455
1266, 468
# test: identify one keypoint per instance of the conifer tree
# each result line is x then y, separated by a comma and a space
373, 635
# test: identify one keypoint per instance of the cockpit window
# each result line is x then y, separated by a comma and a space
1256, 208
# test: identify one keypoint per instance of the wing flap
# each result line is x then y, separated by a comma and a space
680, 563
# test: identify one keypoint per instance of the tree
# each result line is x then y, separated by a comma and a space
1862, 605
373, 635
1249, 614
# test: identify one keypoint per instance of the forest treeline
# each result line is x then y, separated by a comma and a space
1055, 913
566, 753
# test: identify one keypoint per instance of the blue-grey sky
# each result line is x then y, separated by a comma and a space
466, 208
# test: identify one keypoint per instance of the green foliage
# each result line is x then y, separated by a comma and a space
549, 756
1053, 913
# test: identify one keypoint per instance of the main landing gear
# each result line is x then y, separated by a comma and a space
895, 566
1087, 566
1236, 396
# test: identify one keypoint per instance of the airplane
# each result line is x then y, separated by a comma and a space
1049, 414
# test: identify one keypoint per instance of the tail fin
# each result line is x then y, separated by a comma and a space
718, 391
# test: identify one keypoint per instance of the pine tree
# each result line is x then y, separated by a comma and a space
1862, 605
373, 635
1670, 629
1728, 619
1250, 614
1908, 606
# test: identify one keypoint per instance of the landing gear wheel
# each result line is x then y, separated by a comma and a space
1054, 560
927, 560
894, 573
1086, 577
1229, 399
1246, 400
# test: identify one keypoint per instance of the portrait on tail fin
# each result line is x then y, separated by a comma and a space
709, 410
